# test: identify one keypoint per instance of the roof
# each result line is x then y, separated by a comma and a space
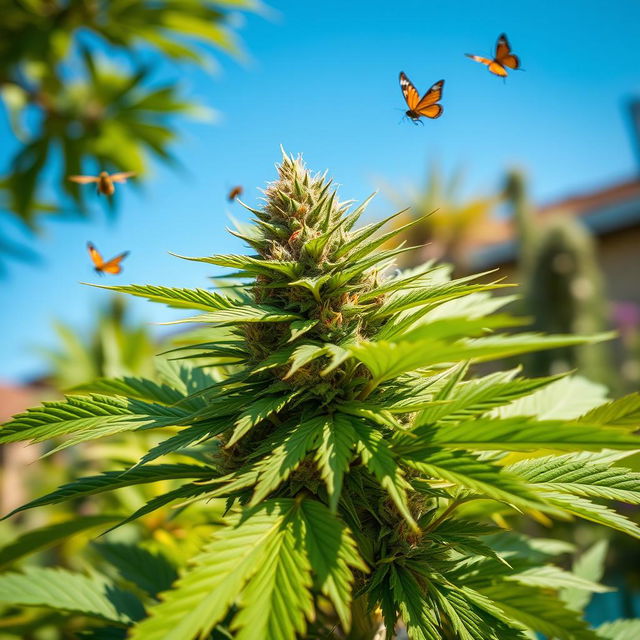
604, 210
16, 398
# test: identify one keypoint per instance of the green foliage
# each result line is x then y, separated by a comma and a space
76, 107
92, 596
116, 347
442, 221
359, 453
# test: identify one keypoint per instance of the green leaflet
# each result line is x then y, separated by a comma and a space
388, 360
110, 480
619, 630
38, 539
266, 556
570, 474
334, 454
242, 313
540, 612
378, 457
252, 265
88, 417
592, 511
623, 412
260, 410
178, 298
589, 566
565, 399
150, 571
276, 467
522, 434
478, 396
92, 596
481, 477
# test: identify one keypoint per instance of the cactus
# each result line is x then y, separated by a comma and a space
563, 286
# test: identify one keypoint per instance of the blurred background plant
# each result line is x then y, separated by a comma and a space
84, 89
117, 346
450, 220
562, 284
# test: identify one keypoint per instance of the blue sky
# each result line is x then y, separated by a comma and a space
322, 80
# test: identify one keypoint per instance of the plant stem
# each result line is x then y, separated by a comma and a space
443, 516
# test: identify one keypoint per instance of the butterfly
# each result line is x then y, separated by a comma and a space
234, 193
425, 106
101, 267
104, 181
504, 58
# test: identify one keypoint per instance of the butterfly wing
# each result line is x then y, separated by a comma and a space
410, 93
496, 68
83, 179
122, 176
113, 266
479, 59
427, 105
503, 54
95, 256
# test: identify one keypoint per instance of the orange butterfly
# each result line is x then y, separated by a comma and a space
104, 181
234, 193
425, 106
504, 58
102, 267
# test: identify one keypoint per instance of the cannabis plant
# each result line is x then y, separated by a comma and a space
361, 458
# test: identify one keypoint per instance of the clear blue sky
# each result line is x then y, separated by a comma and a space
322, 80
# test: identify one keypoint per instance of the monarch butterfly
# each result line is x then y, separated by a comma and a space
235, 193
425, 106
101, 267
104, 181
504, 58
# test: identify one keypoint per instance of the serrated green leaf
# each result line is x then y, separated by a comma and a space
332, 553
565, 399
276, 467
574, 475
522, 434
302, 355
251, 265
261, 557
552, 577
63, 590
589, 566
241, 313
300, 327
334, 454
388, 360
176, 297
151, 571
87, 418
111, 480
257, 411
623, 412
478, 396
540, 612
378, 457
468, 472
592, 511
38, 539
619, 630
416, 612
